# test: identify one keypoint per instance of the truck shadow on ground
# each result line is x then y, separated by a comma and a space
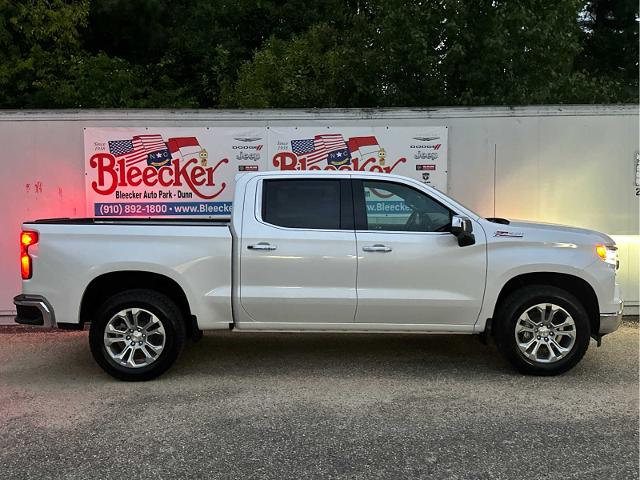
66, 357
341, 354
337, 354
39, 356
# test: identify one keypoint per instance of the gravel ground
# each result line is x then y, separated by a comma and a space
317, 406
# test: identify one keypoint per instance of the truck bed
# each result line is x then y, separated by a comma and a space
71, 253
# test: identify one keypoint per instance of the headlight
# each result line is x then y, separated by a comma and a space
608, 254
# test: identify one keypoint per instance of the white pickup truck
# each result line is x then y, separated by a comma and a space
318, 252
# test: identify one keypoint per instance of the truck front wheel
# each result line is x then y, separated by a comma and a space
542, 330
137, 334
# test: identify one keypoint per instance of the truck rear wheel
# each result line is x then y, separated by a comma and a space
542, 330
137, 334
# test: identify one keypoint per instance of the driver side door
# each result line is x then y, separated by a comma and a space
411, 270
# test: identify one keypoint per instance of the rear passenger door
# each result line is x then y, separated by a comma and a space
298, 254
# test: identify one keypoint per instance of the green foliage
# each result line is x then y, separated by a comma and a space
36, 39
610, 46
335, 53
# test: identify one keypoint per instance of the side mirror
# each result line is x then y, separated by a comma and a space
462, 228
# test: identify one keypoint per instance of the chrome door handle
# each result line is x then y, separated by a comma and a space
262, 246
376, 248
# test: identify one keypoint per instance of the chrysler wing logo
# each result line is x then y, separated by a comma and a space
247, 139
426, 139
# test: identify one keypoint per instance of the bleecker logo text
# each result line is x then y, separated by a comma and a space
113, 174
289, 161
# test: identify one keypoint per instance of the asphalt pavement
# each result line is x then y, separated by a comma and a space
294, 406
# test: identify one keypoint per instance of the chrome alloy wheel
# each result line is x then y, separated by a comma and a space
545, 333
134, 337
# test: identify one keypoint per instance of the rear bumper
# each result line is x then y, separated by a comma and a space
609, 322
34, 310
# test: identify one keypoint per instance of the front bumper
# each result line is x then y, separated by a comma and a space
609, 322
34, 310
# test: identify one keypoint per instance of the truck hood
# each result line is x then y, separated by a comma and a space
557, 233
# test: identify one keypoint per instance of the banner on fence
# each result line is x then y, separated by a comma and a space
190, 171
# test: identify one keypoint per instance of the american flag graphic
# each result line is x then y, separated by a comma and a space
138, 148
318, 148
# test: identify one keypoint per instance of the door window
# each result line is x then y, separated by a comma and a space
302, 203
390, 206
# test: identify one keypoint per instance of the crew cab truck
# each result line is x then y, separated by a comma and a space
318, 252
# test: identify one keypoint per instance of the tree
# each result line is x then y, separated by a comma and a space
37, 39
404, 53
335, 53
43, 62
610, 46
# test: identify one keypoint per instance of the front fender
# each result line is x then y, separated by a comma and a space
510, 258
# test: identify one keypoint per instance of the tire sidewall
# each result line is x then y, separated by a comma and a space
522, 301
166, 312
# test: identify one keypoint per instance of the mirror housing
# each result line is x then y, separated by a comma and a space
462, 228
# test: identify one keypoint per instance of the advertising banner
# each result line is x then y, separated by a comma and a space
168, 171
190, 171
416, 152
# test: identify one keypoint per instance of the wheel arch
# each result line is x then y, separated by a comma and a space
577, 286
108, 284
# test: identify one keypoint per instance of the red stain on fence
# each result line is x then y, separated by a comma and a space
37, 187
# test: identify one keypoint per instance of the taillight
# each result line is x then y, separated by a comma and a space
27, 239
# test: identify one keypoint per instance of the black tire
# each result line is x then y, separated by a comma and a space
516, 304
166, 311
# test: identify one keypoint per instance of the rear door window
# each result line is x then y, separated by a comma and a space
308, 203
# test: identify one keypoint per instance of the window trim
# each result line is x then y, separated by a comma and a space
346, 220
360, 210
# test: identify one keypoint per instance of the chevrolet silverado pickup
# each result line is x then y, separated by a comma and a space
318, 252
